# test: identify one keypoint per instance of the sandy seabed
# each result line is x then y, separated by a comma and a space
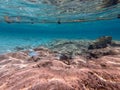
48, 70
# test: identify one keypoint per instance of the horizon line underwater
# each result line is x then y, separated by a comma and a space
32, 35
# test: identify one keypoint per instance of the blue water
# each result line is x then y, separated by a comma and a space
32, 35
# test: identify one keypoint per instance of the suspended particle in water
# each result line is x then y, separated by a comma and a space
7, 19
59, 22
118, 16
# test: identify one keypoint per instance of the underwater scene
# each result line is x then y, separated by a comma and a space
59, 44
28, 36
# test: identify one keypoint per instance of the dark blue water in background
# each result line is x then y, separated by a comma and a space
12, 35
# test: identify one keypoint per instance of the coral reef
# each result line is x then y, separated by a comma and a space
101, 42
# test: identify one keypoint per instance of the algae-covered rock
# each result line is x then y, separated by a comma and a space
101, 42
96, 53
65, 56
101, 47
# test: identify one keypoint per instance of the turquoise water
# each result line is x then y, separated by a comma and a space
32, 35
30, 23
